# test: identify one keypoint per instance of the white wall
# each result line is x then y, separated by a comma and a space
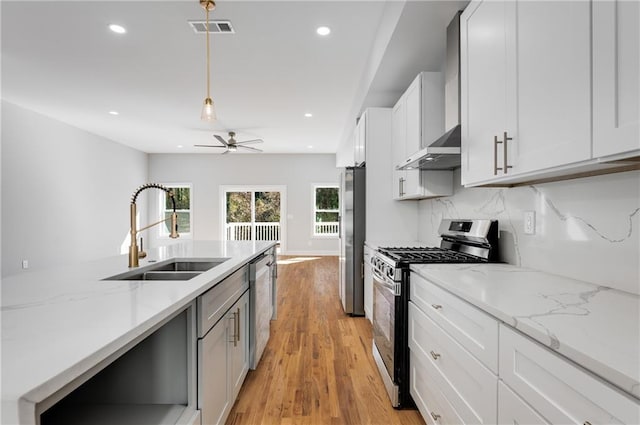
65, 192
586, 229
208, 172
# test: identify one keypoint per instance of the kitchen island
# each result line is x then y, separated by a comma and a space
59, 325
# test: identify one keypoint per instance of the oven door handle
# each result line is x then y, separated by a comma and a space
380, 280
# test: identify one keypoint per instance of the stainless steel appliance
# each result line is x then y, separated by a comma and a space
352, 234
463, 241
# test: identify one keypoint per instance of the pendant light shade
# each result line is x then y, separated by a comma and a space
208, 109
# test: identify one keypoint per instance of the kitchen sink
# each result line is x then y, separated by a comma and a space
177, 269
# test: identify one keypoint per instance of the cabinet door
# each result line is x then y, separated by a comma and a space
368, 284
361, 140
398, 152
552, 60
239, 344
616, 81
483, 73
562, 392
214, 398
413, 135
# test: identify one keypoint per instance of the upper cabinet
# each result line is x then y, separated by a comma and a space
418, 120
616, 77
526, 70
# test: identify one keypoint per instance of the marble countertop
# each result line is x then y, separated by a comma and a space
595, 326
59, 323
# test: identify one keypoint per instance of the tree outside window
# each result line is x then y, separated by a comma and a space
326, 210
182, 195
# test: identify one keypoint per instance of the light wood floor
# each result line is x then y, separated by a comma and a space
317, 367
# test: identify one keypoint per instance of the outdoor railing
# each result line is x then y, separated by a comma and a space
264, 231
328, 228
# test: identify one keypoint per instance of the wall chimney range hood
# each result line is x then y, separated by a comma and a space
444, 153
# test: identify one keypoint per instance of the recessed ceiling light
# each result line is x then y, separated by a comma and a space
114, 112
180, 146
309, 147
308, 115
323, 30
118, 29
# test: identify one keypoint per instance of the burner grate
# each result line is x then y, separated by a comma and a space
428, 255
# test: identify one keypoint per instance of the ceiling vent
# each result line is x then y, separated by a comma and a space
215, 27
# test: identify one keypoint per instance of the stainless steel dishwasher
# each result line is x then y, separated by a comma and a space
262, 293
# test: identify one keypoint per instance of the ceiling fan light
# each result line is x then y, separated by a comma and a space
208, 110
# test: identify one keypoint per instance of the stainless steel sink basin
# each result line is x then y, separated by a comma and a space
159, 275
181, 269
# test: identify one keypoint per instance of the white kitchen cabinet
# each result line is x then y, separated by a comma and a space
468, 386
616, 78
360, 140
560, 391
512, 410
417, 121
526, 102
472, 328
368, 284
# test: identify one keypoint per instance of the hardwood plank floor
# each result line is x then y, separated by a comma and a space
317, 367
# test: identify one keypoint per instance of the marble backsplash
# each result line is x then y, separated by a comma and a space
586, 229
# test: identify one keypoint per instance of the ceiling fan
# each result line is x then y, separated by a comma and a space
232, 145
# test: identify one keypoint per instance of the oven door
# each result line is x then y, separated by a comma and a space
384, 321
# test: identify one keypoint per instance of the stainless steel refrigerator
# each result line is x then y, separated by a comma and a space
352, 233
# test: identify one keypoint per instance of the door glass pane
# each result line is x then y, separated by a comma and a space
267, 216
238, 227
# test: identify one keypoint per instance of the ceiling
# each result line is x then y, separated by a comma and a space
61, 60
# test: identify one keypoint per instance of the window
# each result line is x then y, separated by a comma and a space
182, 195
326, 210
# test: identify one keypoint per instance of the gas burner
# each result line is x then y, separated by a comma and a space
416, 255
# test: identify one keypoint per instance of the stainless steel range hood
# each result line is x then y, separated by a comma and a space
444, 153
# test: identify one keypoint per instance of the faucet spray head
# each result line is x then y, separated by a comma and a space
174, 226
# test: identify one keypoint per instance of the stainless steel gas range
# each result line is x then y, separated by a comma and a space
463, 241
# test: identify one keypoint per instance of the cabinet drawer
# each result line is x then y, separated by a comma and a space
561, 391
216, 301
427, 391
512, 410
470, 327
470, 387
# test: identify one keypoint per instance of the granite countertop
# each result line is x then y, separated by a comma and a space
59, 323
595, 326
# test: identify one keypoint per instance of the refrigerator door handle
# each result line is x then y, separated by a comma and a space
339, 226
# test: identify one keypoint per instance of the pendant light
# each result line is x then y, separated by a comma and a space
208, 110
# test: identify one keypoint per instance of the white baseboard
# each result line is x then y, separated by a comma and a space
312, 253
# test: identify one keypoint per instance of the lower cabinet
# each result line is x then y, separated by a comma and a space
224, 363
452, 382
463, 389
561, 392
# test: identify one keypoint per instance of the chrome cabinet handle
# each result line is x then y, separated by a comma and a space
238, 326
495, 155
505, 167
436, 306
504, 150
435, 416
435, 356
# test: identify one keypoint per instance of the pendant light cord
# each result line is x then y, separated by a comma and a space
208, 54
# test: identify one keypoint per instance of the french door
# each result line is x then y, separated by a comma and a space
253, 213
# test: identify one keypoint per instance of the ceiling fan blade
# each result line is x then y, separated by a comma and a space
250, 148
246, 142
226, 152
221, 140
210, 146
